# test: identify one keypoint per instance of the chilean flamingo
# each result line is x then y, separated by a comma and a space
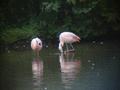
67, 38
36, 45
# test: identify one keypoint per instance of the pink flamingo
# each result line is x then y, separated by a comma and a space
36, 45
68, 38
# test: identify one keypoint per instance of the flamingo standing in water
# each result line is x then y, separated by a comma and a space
36, 45
67, 38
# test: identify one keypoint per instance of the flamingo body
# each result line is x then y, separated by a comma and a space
68, 38
36, 45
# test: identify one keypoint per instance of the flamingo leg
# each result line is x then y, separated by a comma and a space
67, 48
72, 58
72, 48
36, 53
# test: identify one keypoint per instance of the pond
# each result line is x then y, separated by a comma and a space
93, 66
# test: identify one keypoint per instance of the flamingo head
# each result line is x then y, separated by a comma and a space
38, 42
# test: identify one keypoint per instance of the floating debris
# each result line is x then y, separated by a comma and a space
92, 67
8, 51
101, 43
16, 47
89, 61
46, 46
93, 41
93, 64
45, 88
24, 46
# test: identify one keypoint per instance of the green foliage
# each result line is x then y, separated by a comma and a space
10, 35
72, 1
86, 8
49, 6
47, 18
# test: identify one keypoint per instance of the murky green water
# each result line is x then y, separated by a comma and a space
94, 66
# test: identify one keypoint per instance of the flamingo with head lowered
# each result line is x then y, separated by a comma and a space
67, 38
36, 45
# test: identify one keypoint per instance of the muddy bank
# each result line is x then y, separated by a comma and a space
24, 44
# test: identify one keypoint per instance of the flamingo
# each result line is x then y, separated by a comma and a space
67, 38
36, 45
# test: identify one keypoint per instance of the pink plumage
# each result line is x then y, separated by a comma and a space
67, 37
36, 45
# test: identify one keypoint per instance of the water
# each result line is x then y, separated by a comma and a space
94, 66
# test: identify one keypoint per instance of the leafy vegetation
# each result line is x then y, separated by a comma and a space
13, 34
23, 19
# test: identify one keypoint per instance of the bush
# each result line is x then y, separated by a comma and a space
12, 34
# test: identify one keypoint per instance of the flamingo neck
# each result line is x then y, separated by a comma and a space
60, 47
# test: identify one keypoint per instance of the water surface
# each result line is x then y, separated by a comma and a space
94, 66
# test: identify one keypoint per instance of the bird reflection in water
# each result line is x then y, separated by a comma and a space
70, 68
37, 69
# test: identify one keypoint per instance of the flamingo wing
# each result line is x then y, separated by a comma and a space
69, 37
